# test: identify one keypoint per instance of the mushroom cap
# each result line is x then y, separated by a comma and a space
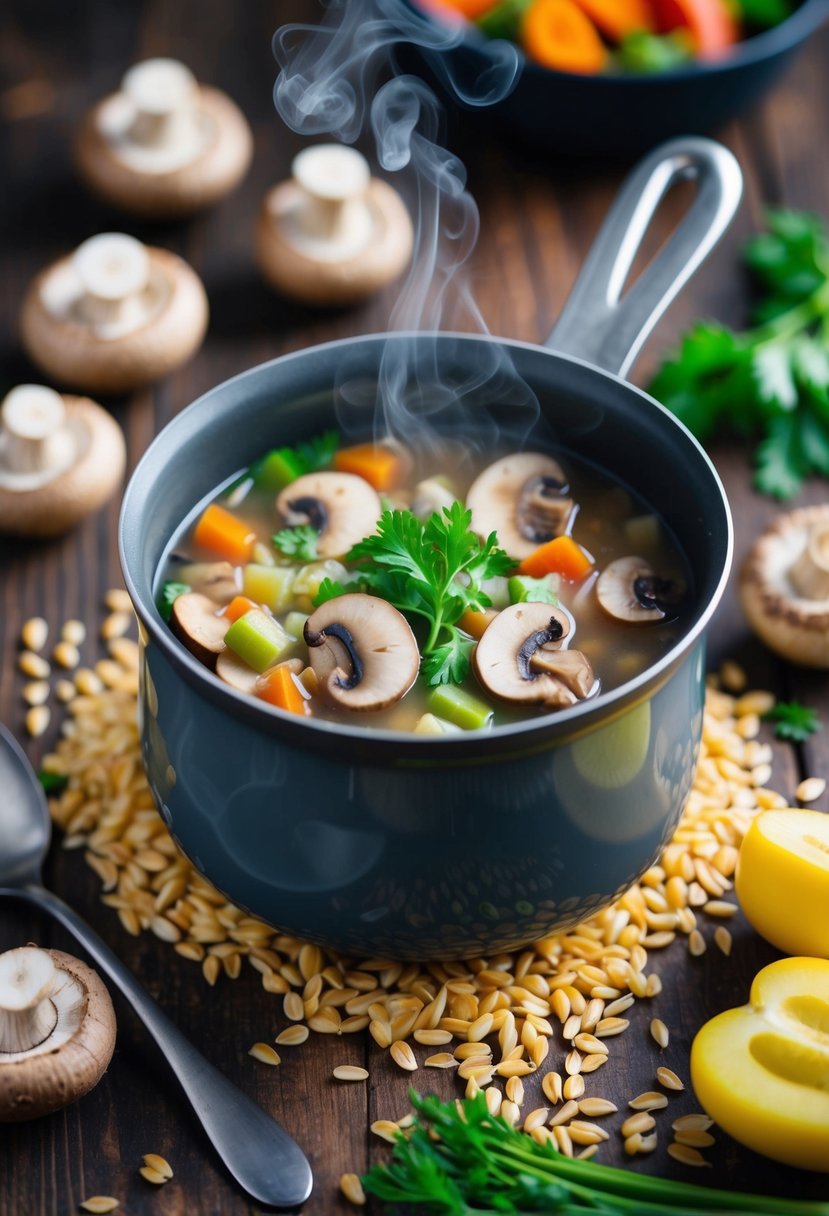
235, 671
617, 586
790, 623
71, 352
190, 187
47, 1078
503, 658
381, 639
348, 508
57, 505
296, 272
196, 621
497, 500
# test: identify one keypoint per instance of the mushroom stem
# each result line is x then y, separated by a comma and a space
526, 652
164, 93
334, 180
810, 573
113, 269
34, 435
27, 1015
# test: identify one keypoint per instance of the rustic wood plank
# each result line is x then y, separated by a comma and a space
538, 219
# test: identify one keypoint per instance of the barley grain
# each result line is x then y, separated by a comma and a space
33, 665
99, 1204
385, 1129
441, 1059
66, 655
642, 1122
567, 1112
350, 1072
352, 1189
574, 1086
265, 1053
551, 1087
594, 1108
696, 945
160, 1164
696, 1121
650, 1100
810, 789
37, 720
150, 1175
403, 1055
695, 1137
292, 1036
668, 1078
659, 1032
36, 692
687, 1155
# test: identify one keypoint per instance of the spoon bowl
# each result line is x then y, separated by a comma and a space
259, 1154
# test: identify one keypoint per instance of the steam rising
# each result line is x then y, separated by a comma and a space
328, 85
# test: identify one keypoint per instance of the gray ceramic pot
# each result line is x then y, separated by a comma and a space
390, 844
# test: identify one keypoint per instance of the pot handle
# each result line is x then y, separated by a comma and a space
598, 323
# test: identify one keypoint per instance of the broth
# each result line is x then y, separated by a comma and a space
224, 567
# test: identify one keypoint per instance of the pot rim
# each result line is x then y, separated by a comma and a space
382, 745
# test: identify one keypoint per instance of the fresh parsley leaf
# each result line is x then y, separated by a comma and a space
763, 13
299, 542
793, 721
317, 453
170, 591
433, 570
53, 783
329, 589
771, 382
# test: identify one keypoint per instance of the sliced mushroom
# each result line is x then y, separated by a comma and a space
629, 590
784, 586
196, 622
524, 498
57, 1031
363, 652
217, 580
430, 496
519, 658
235, 671
342, 507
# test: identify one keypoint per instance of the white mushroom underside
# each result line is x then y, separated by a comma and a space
780, 553
194, 134
73, 447
69, 999
363, 225
62, 295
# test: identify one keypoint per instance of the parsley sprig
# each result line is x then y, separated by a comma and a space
434, 571
771, 381
459, 1160
299, 542
793, 721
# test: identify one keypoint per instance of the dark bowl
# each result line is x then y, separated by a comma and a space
623, 115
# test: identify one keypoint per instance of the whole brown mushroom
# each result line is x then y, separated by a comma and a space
333, 234
163, 145
57, 1031
784, 586
61, 458
113, 315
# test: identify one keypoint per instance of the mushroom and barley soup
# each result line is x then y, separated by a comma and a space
366, 584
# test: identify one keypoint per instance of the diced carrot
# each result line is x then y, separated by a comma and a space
238, 606
471, 9
474, 623
561, 555
558, 34
618, 18
378, 465
711, 23
225, 534
279, 687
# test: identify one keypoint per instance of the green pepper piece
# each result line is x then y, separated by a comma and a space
526, 590
456, 705
259, 640
648, 53
504, 20
278, 469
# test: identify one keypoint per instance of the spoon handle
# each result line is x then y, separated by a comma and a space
259, 1154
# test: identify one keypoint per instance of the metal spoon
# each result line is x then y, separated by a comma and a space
259, 1154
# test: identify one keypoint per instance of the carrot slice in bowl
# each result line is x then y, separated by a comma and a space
558, 34
618, 18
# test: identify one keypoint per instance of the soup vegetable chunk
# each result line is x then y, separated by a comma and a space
365, 584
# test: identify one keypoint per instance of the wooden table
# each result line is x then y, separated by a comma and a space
537, 220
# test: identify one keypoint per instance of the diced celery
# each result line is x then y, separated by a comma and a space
458, 706
497, 588
259, 640
278, 469
309, 577
295, 623
269, 585
526, 590
428, 724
